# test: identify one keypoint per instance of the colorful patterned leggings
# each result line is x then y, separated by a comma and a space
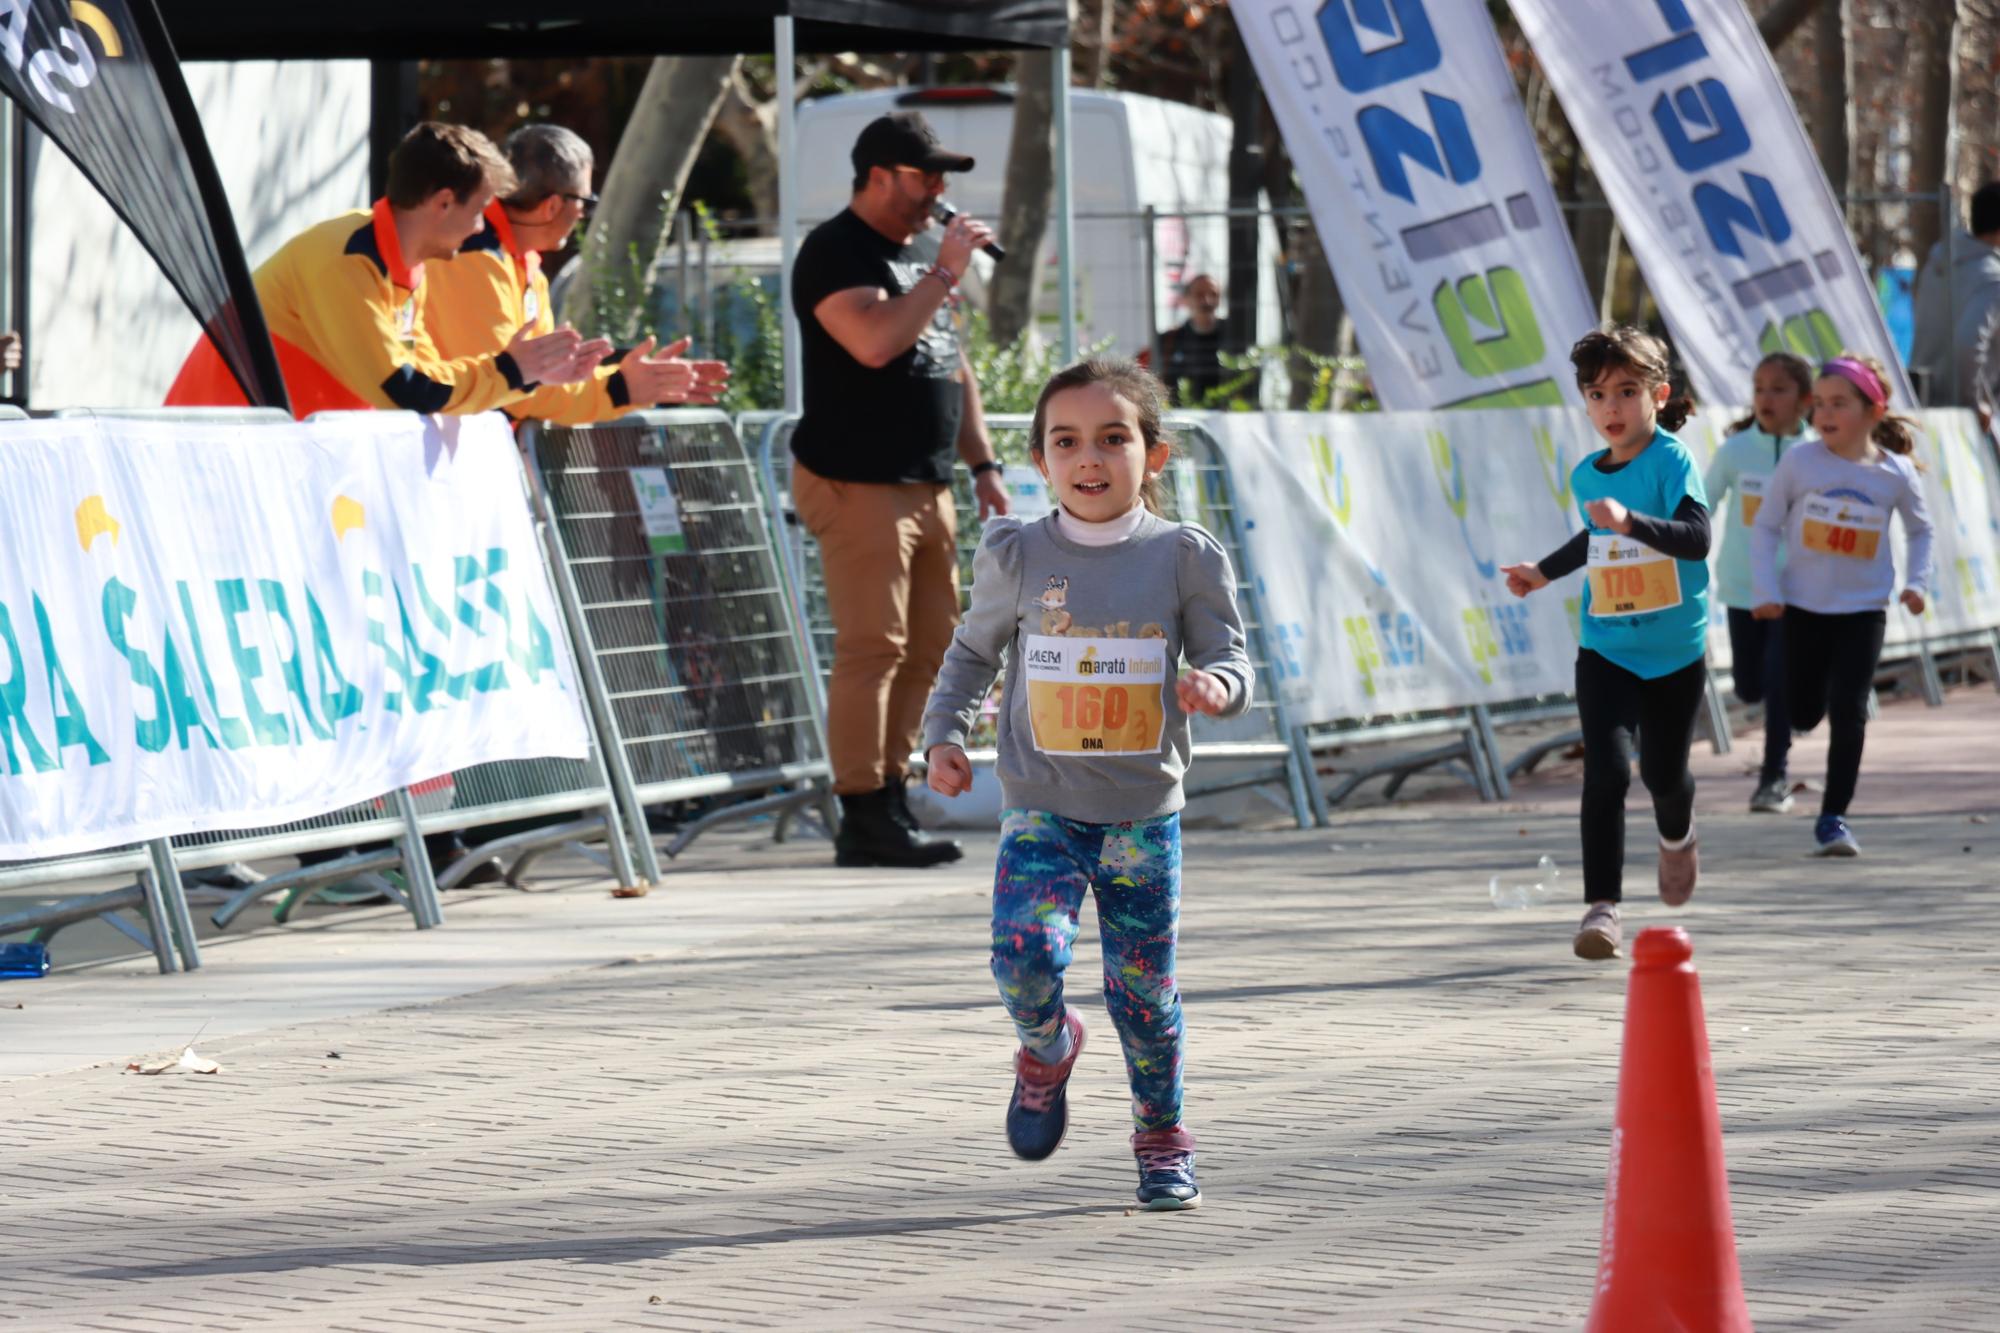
1047, 863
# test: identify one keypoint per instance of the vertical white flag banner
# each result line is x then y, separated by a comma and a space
1429, 195
1702, 156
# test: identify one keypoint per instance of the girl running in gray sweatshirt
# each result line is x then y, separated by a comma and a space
1093, 609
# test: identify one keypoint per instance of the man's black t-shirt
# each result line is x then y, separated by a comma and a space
1194, 357
899, 423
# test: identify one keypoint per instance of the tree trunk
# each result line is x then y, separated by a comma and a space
1934, 26
1831, 103
1784, 18
1978, 95
1246, 152
1028, 197
750, 128
1099, 75
1317, 314
647, 172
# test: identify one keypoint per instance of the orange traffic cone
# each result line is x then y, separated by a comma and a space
1668, 1259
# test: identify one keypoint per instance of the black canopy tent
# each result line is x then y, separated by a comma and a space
412, 29
395, 30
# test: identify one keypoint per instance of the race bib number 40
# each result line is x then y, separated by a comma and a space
1752, 491
1846, 527
1627, 577
1095, 696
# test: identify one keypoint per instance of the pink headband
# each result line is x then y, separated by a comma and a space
1860, 376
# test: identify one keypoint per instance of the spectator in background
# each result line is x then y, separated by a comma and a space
1191, 355
1958, 313
889, 399
475, 301
345, 299
10, 351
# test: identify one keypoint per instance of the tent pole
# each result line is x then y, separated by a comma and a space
1065, 203
788, 206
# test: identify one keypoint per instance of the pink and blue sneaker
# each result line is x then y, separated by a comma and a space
1038, 1112
1166, 1168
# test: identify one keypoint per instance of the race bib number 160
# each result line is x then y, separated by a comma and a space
1095, 696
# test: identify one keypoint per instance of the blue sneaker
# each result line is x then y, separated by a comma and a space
1038, 1112
1166, 1168
1835, 838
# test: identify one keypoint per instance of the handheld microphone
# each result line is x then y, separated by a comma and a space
944, 213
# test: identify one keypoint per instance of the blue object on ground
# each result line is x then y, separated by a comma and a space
23, 960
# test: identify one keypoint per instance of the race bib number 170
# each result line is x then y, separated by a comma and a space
1628, 577
1095, 696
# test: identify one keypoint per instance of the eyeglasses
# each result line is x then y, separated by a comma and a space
585, 201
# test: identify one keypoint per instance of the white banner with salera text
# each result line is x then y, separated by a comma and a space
1710, 174
222, 626
1425, 183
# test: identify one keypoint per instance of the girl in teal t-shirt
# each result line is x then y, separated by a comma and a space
1642, 660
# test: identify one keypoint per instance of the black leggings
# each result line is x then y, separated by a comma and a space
1611, 702
1829, 670
1758, 647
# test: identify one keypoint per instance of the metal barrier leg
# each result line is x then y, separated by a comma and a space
1475, 759
424, 904
1305, 770
1993, 647
1495, 764
621, 850
179, 922
158, 931
1927, 670
1718, 716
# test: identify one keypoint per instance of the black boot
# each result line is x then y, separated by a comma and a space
899, 810
870, 835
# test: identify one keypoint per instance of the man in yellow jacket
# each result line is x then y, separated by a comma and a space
346, 300
495, 286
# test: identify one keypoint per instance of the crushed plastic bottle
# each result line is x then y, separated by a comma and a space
1541, 889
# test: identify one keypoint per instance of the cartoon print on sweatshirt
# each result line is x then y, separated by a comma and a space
1054, 598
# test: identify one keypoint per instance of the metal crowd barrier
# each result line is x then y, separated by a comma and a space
1198, 491
671, 580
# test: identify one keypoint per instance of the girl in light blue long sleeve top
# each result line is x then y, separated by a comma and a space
1781, 391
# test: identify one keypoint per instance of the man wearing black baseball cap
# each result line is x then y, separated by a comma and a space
889, 400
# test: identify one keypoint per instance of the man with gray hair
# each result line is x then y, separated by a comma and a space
495, 286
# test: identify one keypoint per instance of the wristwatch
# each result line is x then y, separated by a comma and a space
990, 465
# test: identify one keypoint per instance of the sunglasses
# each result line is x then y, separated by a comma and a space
588, 201
934, 179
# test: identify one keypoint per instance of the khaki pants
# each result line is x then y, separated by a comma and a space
890, 552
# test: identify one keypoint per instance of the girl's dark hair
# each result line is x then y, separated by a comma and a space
1622, 347
1894, 432
1792, 364
1130, 381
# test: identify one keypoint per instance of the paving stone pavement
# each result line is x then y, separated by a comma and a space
1402, 1097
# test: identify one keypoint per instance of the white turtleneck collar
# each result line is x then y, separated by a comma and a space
1108, 533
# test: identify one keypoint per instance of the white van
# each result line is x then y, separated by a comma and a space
1127, 151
